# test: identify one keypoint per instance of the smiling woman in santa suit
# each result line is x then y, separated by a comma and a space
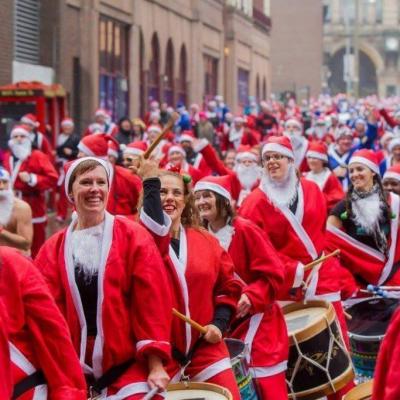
262, 326
364, 226
109, 281
201, 273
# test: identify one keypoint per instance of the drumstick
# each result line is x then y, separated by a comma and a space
171, 122
320, 260
151, 394
194, 324
347, 315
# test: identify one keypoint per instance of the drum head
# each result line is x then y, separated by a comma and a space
301, 319
197, 391
371, 317
360, 392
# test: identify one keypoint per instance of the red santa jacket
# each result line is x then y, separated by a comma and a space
134, 313
201, 164
44, 146
329, 185
366, 262
299, 238
249, 137
38, 335
257, 264
5, 362
202, 278
124, 193
43, 177
387, 374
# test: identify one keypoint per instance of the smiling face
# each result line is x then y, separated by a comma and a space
176, 158
361, 177
316, 165
90, 192
206, 204
276, 165
391, 185
172, 196
344, 143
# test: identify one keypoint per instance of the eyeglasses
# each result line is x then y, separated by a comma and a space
273, 157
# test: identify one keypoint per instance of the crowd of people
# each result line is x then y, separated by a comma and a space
218, 222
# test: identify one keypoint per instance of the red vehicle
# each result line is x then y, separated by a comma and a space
47, 102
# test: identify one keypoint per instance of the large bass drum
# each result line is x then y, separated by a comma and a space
197, 391
319, 363
360, 392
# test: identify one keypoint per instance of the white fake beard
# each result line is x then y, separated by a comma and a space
295, 139
319, 132
368, 212
6, 206
248, 175
86, 250
21, 150
281, 193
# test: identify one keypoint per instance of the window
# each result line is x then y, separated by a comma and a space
348, 11
142, 76
182, 78
243, 87
154, 70
258, 88
113, 77
264, 90
391, 90
210, 76
169, 75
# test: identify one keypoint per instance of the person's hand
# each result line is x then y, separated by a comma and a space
340, 172
148, 169
24, 176
244, 306
213, 335
67, 151
158, 377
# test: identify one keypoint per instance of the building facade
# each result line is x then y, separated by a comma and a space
296, 47
362, 46
121, 54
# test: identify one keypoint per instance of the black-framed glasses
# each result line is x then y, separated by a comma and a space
273, 157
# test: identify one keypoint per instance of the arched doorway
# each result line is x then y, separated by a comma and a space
142, 77
182, 79
154, 69
169, 83
258, 88
368, 83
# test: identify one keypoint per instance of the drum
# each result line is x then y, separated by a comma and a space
370, 320
360, 392
197, 391
237, 353
318, 363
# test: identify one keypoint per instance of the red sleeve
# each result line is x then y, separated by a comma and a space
5, 367
333, 191
389, 120
51, 338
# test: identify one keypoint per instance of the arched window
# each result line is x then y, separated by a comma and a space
169, 75
258, 93
154, 70
264, 89
182, 79
142, 75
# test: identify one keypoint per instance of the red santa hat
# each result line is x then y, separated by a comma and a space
154, 128
70, 167
393, 143
187, 136
134, 148
20, 130
393, 172
176, 148
217, 184
95, 145
278, 144
4, 175
367, 158
113, 149
30, 119
293, 121
318, 150
101, 112
238, 119
245, 152
67, 122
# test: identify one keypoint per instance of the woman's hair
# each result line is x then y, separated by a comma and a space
377, 180
190, 216
224, 208
84, 166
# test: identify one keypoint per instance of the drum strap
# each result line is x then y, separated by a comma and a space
28, 383
183, 359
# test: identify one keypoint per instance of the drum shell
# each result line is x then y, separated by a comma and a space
191, 386
360, 392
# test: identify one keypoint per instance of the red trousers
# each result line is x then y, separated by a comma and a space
272, 387
39, 237
62, 203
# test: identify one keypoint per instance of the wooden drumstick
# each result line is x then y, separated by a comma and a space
194, 324
170, 124
321, 259
151, 394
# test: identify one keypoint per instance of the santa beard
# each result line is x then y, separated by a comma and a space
6, 206
86, 250
21, 150
295, 139
367, 212
248, 175
281, 193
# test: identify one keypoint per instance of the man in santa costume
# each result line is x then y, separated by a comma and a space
329, 184
15, 217
292, 214
31, 174
39, 141
394, 155
392, 120
238, 135
131, 155
43, 361
102, 121
293, 129
110, 283
151, 134
125, 188
67, 150
391, 179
